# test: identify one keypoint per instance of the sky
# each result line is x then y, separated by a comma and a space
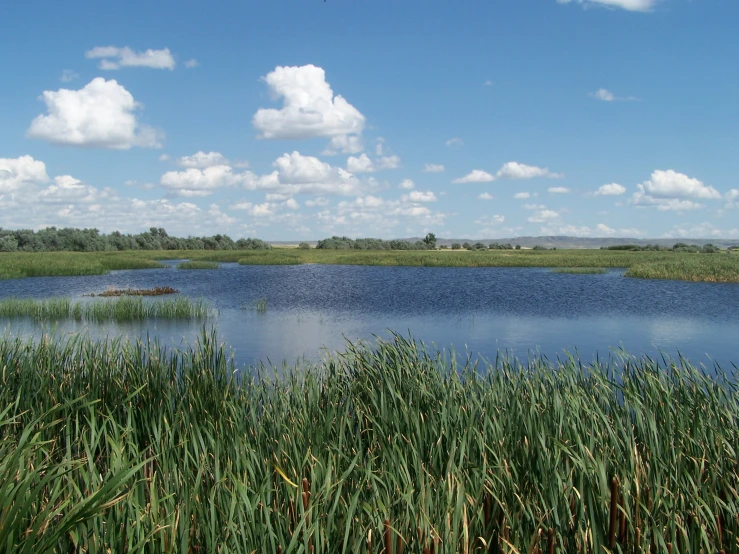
298, 120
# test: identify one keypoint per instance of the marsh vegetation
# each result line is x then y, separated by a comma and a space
120, 309
128, 447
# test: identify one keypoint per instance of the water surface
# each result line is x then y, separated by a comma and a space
481, 311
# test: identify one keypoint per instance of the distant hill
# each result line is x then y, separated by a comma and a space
584, 242
556, 241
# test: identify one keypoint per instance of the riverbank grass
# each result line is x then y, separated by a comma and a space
199, 265
110, 445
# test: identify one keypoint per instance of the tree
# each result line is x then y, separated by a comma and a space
456, 246
304, 246
430, 240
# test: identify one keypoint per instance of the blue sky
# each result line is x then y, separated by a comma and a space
299, 120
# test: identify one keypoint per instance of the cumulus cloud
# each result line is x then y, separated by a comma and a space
607, 96
671, 184
112, 57
296, 174
202, 160
191, 63
388, 162
700, 230
345, 144
522, 195
631, 5
310, 108
433, 168
475, 176
419, 196
456, 141
510, 170
558, 190
604, 230
542, 216
515, 170
361, 164
406, 184
320, 201
200, 182
17, 173
670, 190
732, 198
611, 189
485, 196
101, 114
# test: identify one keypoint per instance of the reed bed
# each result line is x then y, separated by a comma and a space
155, 291
119, 309
580, 270
382, 448
720, 267
199, 265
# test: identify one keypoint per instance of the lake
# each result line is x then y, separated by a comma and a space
480, 311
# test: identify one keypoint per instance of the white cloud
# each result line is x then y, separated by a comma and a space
558, 190
515, 170
406, 184
433, 168
320, 201
361, 164
346, 144
200, 182
631, 5
607, 96
534, 207
611, 189
17, 173
388, 162
510, 170
475, 176
100, 114
68, 75
543, 216
202, 160
522, 195
605, 230
670, 184
298, 174
112, 57
485, 196
379, 146
732, 198
192, 62
642, 199
419, 196
310, 108
700, 230
456, 141
603, 94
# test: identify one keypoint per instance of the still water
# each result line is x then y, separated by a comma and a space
312, 309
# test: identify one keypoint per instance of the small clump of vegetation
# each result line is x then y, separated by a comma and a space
580, 270
199, 265
116, 446
120, 309
155, 291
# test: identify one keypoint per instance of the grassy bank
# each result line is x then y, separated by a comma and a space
721, 267
120, 309
580, 270
108, 445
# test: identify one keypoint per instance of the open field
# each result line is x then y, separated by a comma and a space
389, 448
124, 308
720, 267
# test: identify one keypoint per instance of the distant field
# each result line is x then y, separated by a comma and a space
719, 268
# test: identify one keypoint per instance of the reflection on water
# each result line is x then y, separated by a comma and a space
475, 310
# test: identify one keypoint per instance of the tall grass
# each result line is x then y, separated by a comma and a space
390, 445
580, 270
199, 265
124, 308
721, 267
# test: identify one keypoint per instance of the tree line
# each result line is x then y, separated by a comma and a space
70, 239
